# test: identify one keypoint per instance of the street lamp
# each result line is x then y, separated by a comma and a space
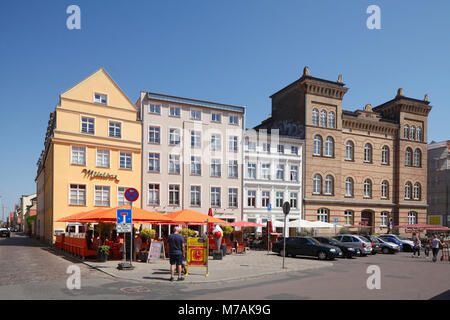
286, 209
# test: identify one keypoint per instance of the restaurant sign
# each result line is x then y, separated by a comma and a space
197, 252
96, 174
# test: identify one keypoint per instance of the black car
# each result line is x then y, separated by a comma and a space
376, 245
306, 246
4, 232
347, 251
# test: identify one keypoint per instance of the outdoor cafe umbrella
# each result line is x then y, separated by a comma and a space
76, 217
139, 215
245, 224
191, 217
422, 226
210, 225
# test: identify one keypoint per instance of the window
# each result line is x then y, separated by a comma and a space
215, 197
385, 155
417, 191
215, 168
349, 150
174, 112
196, 115
174, 195
233, 143
331, 119
294, 173
293, 199
417, 158
232, 169
153, 194
251, 170
153, 162
412, 217
121, 201
154, 135
349, 187
265, 198
329, 185
216, 117
367, 188
77, 195
100, 98
174, 164
329, 146
317, 145
87, 125
266, 147
251, 198
280, 148
315, 117
384, 219
322, 215
385, 189
102, 196
294, 150
412, 133
348, 216
103, 158
154, 108
196, 139
216, 142
196, 196
115, 129
279, 197
419, 134
251, 146
266, 171
174, 136
233, 197
408, 190
196, 166
78, 155
233, 120
323, 118
368, 152
280, 172
317, 184
406, 131
408, 155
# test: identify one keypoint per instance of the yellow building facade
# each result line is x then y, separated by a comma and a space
92, 152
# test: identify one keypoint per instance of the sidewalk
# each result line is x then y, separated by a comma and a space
233, 267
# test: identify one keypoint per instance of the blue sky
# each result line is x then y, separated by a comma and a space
234, 51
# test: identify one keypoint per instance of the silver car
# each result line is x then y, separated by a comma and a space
362, 244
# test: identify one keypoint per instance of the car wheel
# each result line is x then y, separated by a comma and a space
322, 255
385, 250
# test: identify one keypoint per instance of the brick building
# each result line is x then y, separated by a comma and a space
363, 167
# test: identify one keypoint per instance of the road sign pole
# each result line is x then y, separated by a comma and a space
131, 237
286, 209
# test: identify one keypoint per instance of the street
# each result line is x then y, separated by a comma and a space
30, 270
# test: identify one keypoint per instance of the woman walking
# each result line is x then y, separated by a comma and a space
435, 245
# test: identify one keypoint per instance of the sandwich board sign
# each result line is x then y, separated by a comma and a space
156, 250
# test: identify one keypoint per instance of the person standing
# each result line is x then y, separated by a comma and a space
176, 252
435, 245
137, 244
416, 248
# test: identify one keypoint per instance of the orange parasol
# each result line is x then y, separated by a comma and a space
187, 216
77, 216
139, 215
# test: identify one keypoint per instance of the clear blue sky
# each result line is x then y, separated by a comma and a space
234, 51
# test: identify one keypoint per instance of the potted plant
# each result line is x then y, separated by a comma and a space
143, 255
187, 233
102, 253
147, 234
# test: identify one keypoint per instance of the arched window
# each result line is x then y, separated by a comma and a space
323, 118
417, 158
329, 147
417, 191
412, 217
408, 190
348, 215
406, 132
317, 184
413, 133
368, 152
419, 134
367, 188
349, 187
349, 150
385, 189
331, 119
322, 215
385, 155
315, 117
317, 145
329, 185
408, 155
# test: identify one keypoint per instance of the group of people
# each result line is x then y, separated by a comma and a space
435, 244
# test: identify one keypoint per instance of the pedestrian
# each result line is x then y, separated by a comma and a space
176, 253
426, 245
435, 246
137, 244
417, 245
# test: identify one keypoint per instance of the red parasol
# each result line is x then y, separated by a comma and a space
210, 225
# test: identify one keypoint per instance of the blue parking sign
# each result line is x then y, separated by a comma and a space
124, 216
269, 206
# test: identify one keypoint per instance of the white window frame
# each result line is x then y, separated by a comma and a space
154, 191
196, 162
197, 196
101, 95
125, 154
78, 193
172, 199
156, 160
155, 132
78, 152
155, 107
102, 153
115, 129
105, 201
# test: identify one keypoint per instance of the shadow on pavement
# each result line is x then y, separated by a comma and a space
443, 296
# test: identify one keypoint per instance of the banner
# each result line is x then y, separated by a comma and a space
197, 255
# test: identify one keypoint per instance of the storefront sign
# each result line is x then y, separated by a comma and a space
197, 255
434, 220
96, 174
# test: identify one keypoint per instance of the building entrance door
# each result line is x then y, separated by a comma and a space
366, 219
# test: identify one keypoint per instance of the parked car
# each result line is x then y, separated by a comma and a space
363, 245
4, 232
348, 250
388, 247
404, 244
389, 238
306, 246
376, 247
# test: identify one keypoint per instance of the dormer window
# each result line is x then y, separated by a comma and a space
100, 98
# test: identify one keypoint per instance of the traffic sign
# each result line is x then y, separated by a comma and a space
335, 220
124, 227
124, 216
269, 206
286, 208
131, 194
